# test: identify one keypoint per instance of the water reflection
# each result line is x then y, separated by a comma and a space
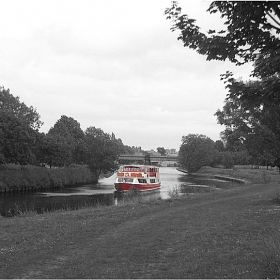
121, 198
104, 193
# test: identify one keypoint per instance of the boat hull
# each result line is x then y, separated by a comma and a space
138, 187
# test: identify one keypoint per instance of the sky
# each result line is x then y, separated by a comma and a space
115, 65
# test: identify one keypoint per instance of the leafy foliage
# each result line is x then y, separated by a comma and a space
56, 150
196, 151
18, 140
252, 123
11, 105
227, 159
70, 130
219, 145
250, 27
161, 150
102, 150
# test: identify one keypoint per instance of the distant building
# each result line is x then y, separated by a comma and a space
171, 152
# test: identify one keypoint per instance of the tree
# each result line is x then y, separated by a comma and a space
219, 145
12, 105
19, 127
227, 159
102, 151
196, 151
18, 140
55, 151
252, 123
71, 131
241, 158
263, 146
251, 35
127, 150
251, 28
161, 150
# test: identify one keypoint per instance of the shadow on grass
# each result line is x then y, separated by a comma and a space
271, 257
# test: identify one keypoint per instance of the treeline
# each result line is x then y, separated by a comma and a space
65, 143
199, 150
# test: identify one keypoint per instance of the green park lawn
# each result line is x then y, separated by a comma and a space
231, 233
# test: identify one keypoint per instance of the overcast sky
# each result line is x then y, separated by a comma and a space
115, 65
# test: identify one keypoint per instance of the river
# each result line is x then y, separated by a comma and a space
103, 193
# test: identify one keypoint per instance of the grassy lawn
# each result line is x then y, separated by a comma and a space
261, 175
233, 233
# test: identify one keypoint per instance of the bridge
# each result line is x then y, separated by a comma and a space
155, 159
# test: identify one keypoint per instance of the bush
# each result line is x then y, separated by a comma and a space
44, 177
196, 151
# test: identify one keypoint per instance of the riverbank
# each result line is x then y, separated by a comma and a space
14, 178
242, 175
231, 233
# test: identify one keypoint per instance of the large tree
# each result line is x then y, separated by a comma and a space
19, 125
18, 140
251, 28
251, 34
161, 150
12, 105
102, 150
70, 129
251, 123
196, 151
55, 150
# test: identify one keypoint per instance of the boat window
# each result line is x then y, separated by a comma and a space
131, 168
152, 169
128, 180
152, 180
142, 181
120, 180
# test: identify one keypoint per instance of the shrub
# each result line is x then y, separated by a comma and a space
44, 177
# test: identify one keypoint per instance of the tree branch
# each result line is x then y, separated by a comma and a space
277, 22
276, 11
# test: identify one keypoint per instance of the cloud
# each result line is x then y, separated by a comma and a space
114, 65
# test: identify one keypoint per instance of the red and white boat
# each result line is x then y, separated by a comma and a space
137, 177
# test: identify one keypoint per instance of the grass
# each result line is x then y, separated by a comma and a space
174, 193
233, 233
251, 175
134, 196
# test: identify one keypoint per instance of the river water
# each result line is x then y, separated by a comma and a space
104, 193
